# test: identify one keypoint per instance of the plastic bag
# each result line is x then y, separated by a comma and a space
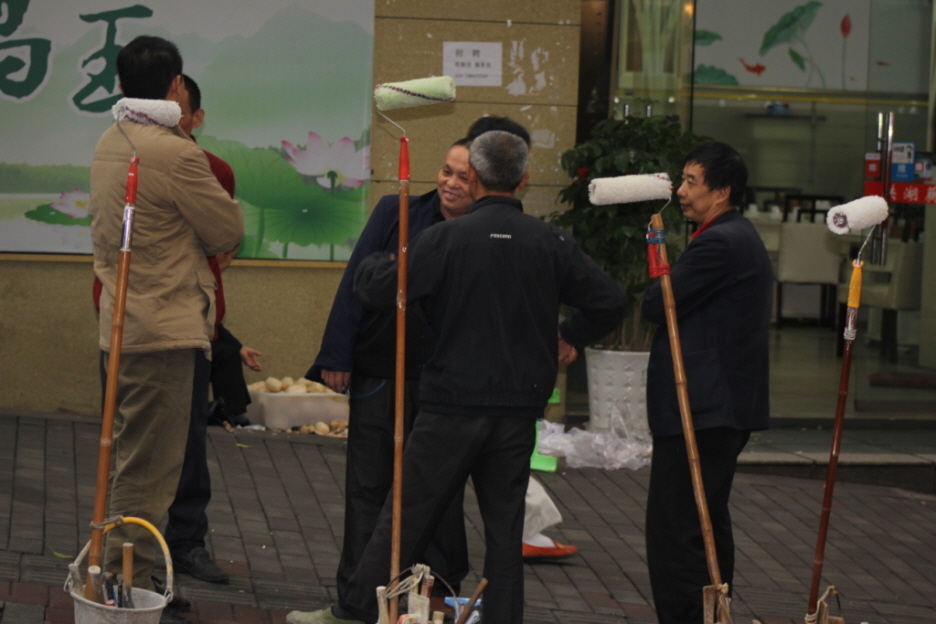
606, 449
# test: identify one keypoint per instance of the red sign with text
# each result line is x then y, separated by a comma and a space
904, 192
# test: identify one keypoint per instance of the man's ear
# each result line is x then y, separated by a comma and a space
523, 182
175, 89
723, 194
472, 182
198, 118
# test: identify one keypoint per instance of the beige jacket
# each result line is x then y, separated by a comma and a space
182, 215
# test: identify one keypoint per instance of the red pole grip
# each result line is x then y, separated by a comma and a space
404, 158
132, 180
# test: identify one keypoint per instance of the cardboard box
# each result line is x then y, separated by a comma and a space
282, 410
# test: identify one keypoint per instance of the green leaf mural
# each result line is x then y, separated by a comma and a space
22, 178
709, 74
706, 37
47, 214
798, 59
287, 209
791, 26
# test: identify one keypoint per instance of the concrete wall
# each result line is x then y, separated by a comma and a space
48, 331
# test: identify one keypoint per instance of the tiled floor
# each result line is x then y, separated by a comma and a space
805, 376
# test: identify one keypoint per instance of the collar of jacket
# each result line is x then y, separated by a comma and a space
148, 112
496, 199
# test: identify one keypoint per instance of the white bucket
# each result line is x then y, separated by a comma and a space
147, 608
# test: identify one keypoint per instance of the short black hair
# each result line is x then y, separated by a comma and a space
493, 122
147, 66
722, 167
193, 91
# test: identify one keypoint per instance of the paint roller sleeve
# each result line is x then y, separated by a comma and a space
418, 92
629, 188
857, 215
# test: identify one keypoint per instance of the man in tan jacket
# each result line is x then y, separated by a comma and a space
182, 216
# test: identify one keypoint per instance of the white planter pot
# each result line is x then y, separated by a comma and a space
617, 392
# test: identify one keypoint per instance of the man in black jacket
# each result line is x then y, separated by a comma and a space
722, 284
490, 285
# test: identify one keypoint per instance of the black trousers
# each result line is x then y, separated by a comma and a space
443, 450
369, 481
188, 522
675, 549
227, 374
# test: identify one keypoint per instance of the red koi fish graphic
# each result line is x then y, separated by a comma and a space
754, 69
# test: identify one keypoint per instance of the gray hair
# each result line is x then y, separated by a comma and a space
499, 159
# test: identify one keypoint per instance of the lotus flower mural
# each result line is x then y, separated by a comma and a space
331, 165
282, 204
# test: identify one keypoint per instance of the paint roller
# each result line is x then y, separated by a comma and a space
630, 188
648, 187
390, 96
866, 212
857, 215
418, 92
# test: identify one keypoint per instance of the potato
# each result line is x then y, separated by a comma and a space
273, 384
322, 428
258, 386
288, 381
296, 389
338, 424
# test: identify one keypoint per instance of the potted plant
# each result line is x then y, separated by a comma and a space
615, 238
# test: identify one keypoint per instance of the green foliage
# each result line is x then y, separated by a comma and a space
615, 236
47, 214
289, 209
709, 74
706, 37
798, 59
791, 26
23, 178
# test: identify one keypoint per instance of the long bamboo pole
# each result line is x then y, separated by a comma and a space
113, 375
850, 330
682, 395
400, 381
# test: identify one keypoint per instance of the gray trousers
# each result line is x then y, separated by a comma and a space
154, 400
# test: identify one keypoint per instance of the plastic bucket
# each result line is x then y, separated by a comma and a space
148, 607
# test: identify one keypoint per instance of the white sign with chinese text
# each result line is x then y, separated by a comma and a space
473, 64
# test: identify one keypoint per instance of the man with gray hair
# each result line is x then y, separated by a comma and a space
490, 284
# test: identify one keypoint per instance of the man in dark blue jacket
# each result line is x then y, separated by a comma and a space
722, 285
490, 285
357, 355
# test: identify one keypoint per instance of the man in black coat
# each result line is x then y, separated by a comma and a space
722, 285
490, 285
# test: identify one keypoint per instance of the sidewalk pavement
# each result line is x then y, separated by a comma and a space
276, 527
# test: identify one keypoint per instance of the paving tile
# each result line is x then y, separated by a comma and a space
20, 613
276, 520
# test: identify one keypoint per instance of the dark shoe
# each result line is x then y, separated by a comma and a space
198, 563
178, 603
171, 616
216, 413
240, 420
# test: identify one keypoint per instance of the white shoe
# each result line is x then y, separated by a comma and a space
322, 616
